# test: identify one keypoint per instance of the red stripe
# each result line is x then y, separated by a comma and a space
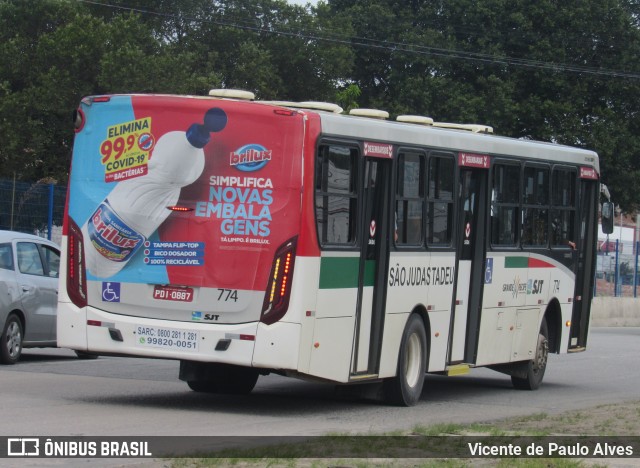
535, 263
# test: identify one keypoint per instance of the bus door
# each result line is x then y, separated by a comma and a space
586, 252
374, 226
470, 247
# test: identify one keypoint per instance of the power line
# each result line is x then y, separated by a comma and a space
391, 46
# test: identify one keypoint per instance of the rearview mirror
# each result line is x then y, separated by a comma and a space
607, 217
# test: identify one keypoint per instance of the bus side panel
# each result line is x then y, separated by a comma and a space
567, 310
287, 344
277, 346
418, 281
561, 286
332, 348
505, 291
333, 335
496, 336
403, 296
518, 289
439, 322
394, 324
525, 334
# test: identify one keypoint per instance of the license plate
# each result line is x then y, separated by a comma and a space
173, 293
166, 338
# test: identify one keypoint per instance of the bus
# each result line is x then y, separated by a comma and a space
245, 237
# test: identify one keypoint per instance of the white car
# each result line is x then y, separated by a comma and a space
29, 270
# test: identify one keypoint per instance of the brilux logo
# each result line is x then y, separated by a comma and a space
250, 158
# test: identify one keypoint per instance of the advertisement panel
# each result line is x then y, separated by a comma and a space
184, 191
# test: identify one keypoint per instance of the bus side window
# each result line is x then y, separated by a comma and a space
563, 207
409, 217
336, 194
505, 205
535, 206
440, 200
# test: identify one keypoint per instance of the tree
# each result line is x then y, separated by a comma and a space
53, 53
565, 72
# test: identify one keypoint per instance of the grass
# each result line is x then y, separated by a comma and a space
416, 446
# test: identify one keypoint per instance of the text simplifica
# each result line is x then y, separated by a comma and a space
257, 182
420, 276
243, 206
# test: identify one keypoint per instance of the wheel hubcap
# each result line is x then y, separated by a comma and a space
13, 339
413, 360
542, 354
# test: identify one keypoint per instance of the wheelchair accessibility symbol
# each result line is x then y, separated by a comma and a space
488, 271
110, 292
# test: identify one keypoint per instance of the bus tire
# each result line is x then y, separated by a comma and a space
405, 388
11, 340
238, 381
535, 368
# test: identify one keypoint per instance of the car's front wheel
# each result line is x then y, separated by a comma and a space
11, 340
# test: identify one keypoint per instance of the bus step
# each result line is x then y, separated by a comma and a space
355, 377
458, 369
577, 349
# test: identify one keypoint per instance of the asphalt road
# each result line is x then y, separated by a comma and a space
50, 392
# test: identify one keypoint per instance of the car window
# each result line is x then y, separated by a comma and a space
6, 257
29, 261
52, 257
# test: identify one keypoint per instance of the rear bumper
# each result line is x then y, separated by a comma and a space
96, 331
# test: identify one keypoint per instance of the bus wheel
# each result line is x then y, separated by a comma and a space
405, 388
11, 341
238, 381
535, 368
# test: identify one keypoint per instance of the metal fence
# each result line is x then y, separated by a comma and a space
617, 269
34, 208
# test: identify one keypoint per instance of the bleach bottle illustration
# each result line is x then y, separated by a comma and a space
136, 207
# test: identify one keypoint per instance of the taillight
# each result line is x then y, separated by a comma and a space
76, 274
78, 120
276, 297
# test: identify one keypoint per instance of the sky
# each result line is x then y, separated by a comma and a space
302, 2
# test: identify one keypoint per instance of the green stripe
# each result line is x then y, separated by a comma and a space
342, 272
369, 272
516, 262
